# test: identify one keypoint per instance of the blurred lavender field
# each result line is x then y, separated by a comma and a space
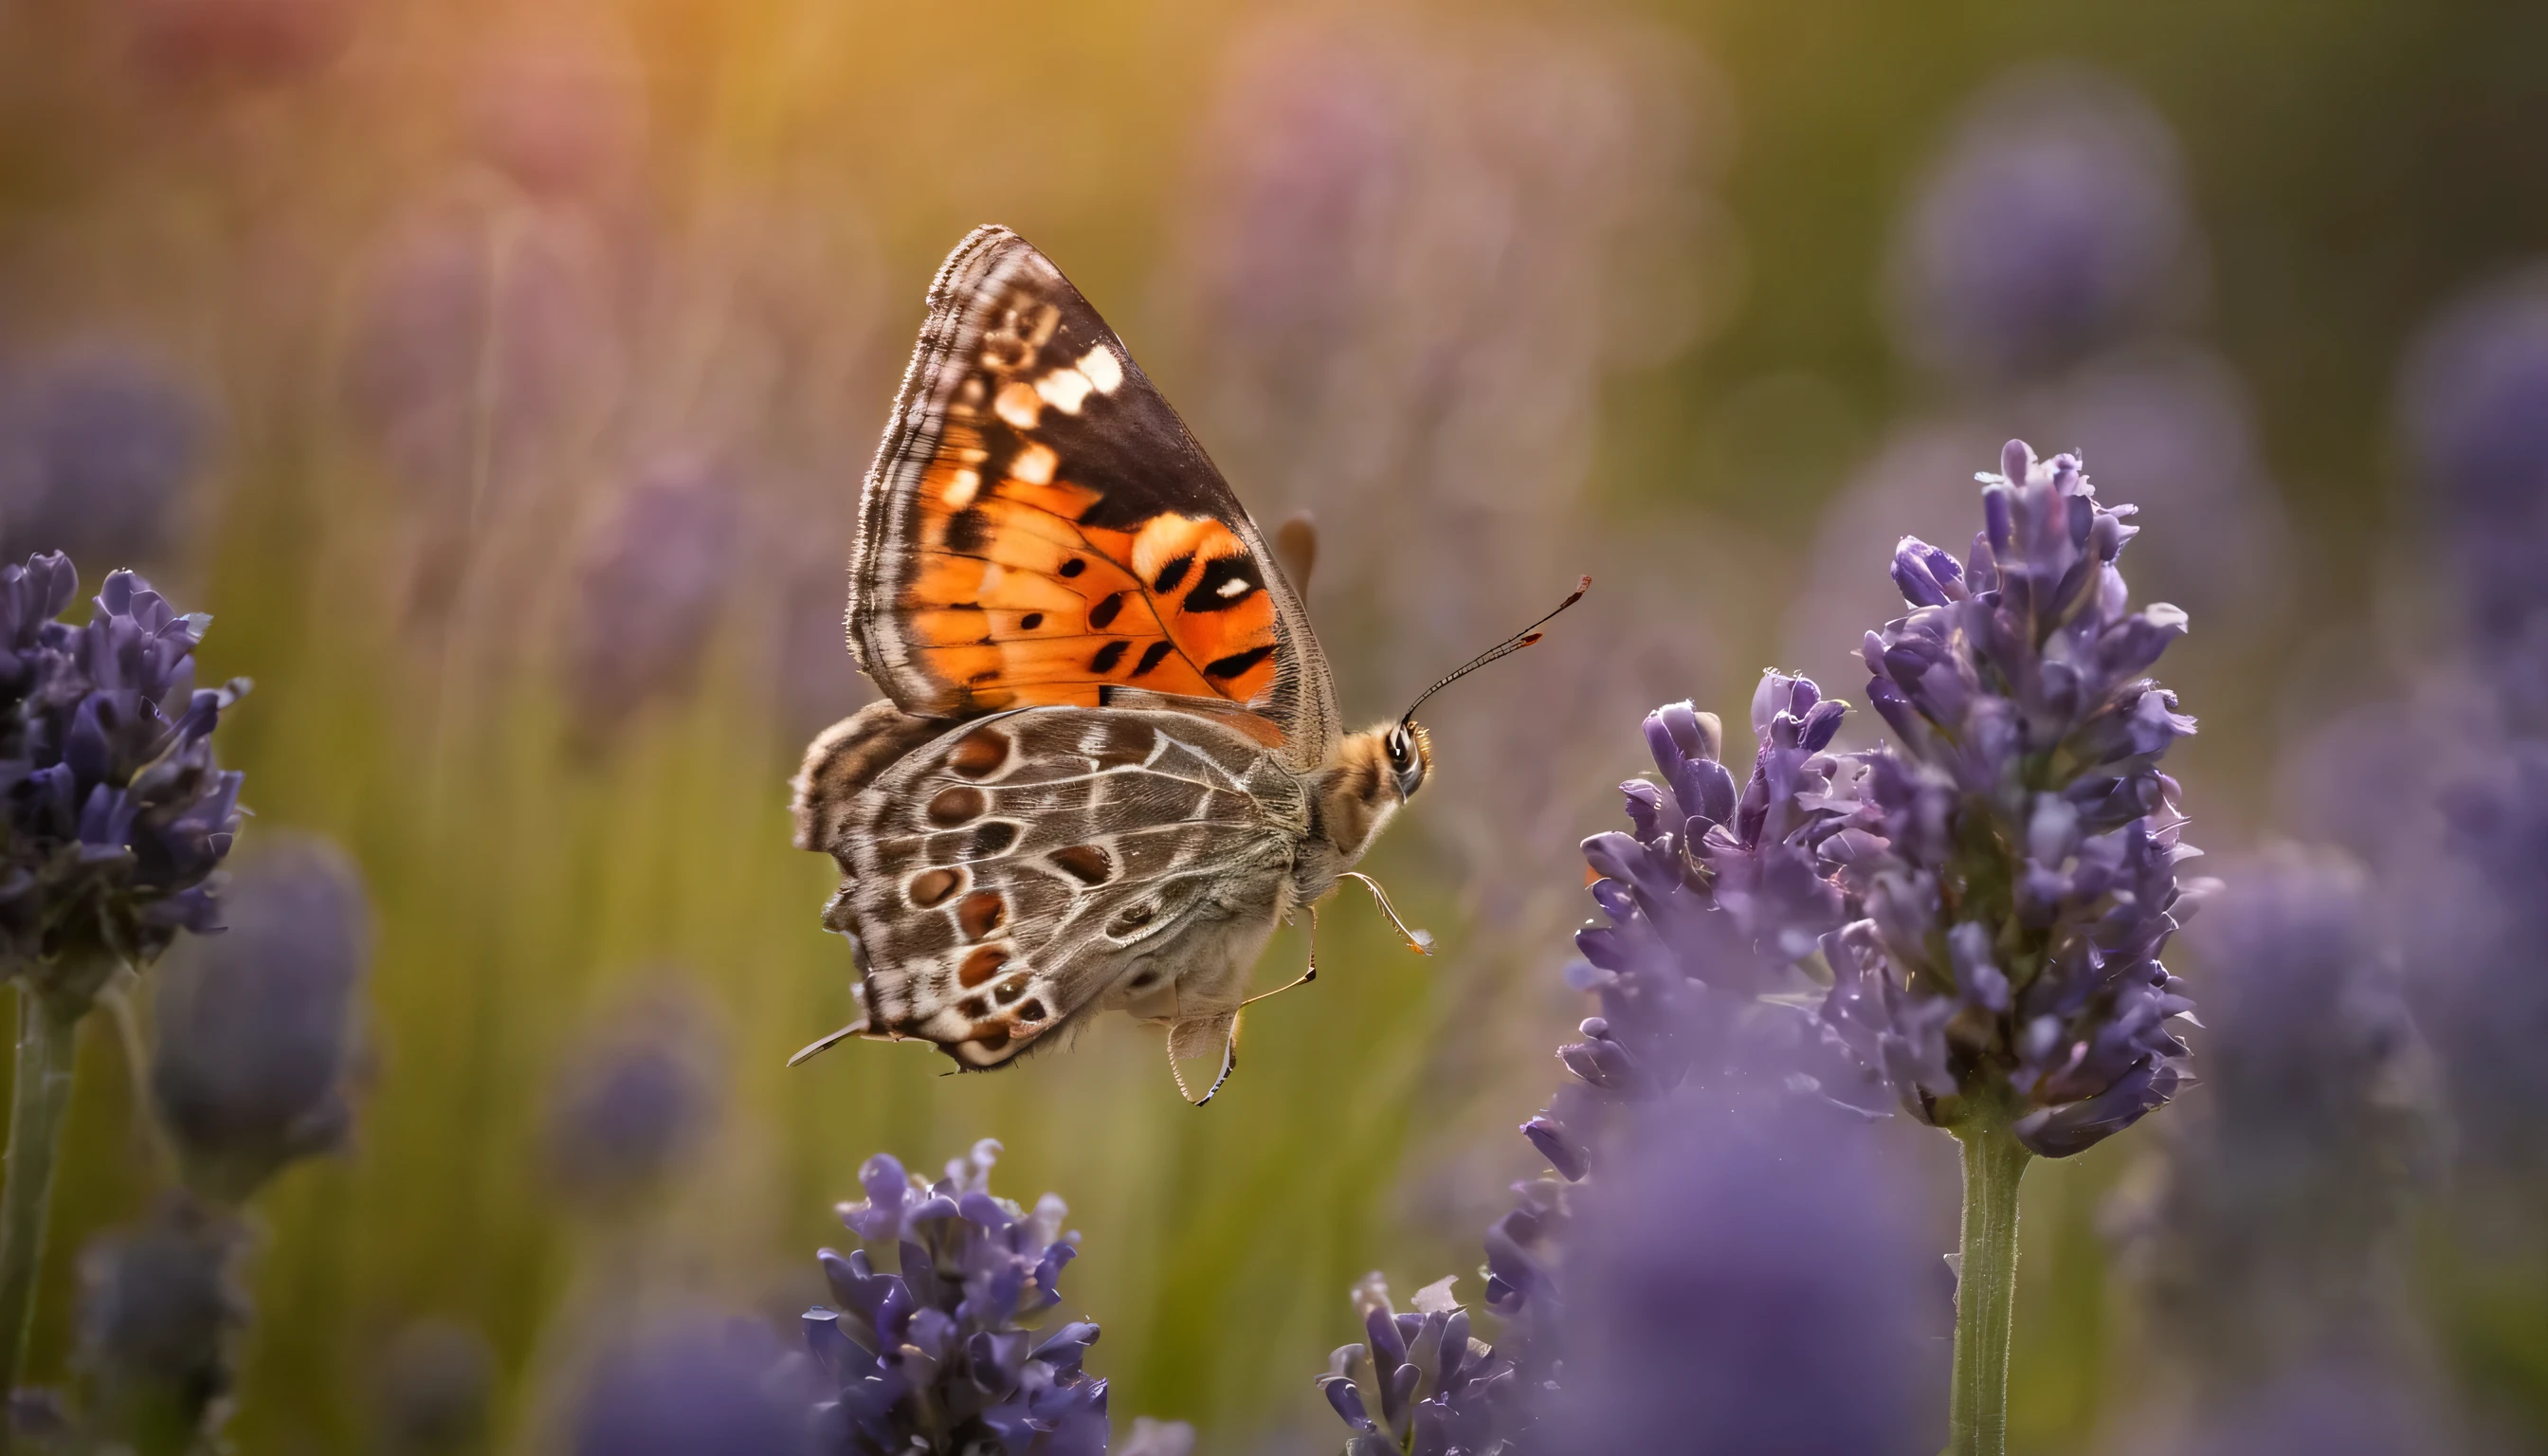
500, 376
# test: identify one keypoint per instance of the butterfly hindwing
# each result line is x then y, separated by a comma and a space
1041, 528
1024, 867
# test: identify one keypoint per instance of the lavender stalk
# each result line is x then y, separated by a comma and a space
113, 817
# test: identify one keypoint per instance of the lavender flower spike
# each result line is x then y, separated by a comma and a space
944, 1355
2018, 869
117, 813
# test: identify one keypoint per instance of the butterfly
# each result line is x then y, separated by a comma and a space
1108, 761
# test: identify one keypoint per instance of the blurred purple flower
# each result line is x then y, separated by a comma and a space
696, 1385
635, 1100
650, 588
257, 1039
819, 682
98, 446
943, 1355
432, 1393
558, 103
1744, 1284
2475, 922
1413, 255
117, 813
160, 1308
2475, 406
2274, 1239
484, 330
212, 44
2334, 1410
2055, 223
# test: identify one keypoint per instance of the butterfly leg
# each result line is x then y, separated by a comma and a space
828, 1041
1193, 1040
1418, 941
1304, 977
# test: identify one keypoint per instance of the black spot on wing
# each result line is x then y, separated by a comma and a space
1238, 661
1073, 566
1227, 581
1102, 615
967, 530
1107, 656
1151, 656
1172, 574
994, 838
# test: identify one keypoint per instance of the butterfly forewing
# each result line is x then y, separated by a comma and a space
1040, 527
1022, 868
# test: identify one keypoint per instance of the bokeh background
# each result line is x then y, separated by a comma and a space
501, 376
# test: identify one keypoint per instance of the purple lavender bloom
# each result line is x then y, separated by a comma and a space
1421, 1381
2274, 1239
97, 449
2331, 1411
2017, 874
2054, 224
696, 1385
651, 586
117, 813
635, 1100
2475, 401
159, 1311
1745, 1283
256, 1037
2476, 921
945, 1353
433, 1392
1713, 903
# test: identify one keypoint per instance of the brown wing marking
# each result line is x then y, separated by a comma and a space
1017, 601
1041, 528
1000, 878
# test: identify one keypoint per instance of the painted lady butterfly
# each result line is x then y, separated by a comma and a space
1109, 760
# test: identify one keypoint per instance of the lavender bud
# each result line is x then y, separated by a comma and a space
651, 583
697, 1385
98, 447
256, 1042
2055, 223
2285, 1194
433, 1390
2474, 395
159, 1311
635, 1100
1746, 1284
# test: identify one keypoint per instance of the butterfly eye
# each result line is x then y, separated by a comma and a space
1397, 747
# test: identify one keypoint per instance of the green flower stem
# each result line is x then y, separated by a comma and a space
39, 1099
1985, 1288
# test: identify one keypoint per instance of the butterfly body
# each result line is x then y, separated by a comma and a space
1109, 764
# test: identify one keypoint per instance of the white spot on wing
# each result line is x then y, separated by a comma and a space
1104, 370
1034, 465
961, 489
1063, 390
1234, 587
1017, 403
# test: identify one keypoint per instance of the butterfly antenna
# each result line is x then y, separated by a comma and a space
1507, 647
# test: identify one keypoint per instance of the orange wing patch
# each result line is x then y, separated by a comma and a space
1017, 601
